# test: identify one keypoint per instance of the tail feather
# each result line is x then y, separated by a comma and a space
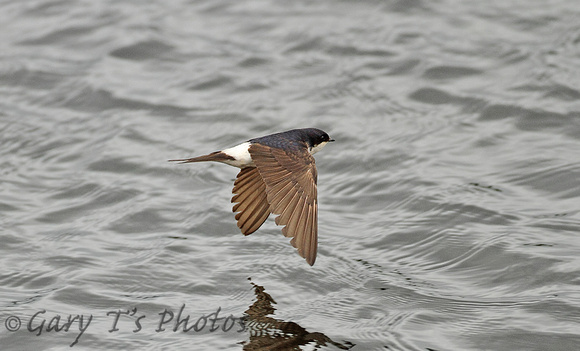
217, 156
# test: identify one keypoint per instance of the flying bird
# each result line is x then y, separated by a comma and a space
278, 175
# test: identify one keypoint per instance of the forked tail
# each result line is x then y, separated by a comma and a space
217, 156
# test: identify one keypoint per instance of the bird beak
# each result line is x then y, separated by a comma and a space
331, 140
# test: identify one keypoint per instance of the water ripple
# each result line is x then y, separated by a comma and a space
448, 214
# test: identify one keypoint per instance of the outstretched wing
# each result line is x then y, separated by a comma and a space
290, 181
252, 204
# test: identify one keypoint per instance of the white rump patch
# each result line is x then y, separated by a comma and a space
240, 154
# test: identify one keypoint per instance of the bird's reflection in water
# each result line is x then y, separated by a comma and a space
267, 333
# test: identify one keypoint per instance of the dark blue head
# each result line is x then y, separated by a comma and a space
312, 137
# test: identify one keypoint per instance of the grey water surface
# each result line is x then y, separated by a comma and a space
449, 213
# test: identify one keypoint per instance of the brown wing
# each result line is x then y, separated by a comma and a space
291, 191
252, 204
